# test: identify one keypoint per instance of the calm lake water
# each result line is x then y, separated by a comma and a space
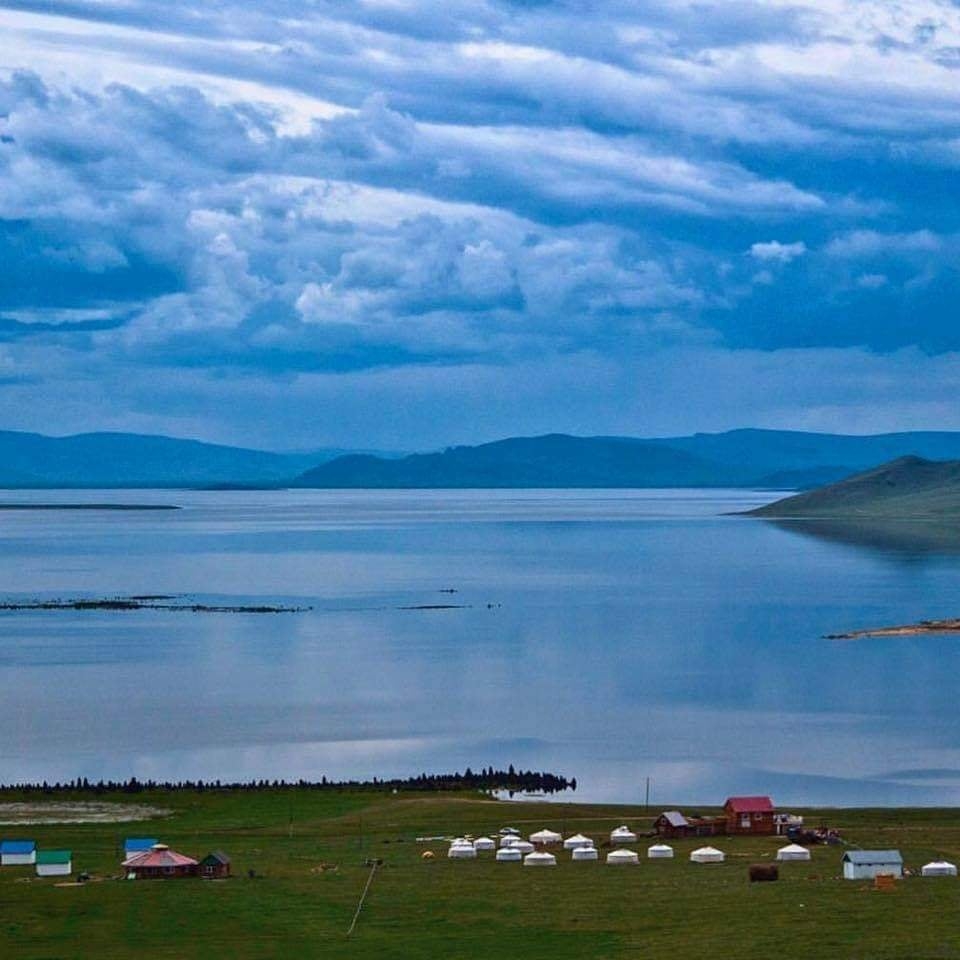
607, 635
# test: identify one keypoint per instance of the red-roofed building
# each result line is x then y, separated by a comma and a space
749, 815
160, 862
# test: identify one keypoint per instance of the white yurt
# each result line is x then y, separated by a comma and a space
509, 855
509, 840
659, 851
545, 837
616, 857
511, 831
623, 835
707, 855
484, 843
524, 846
577, 840
938, 868
584, 853
540, 859
461, 851
793, 851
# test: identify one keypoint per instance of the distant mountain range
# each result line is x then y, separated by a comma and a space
772, 459
134, 460
908, 488
739, 458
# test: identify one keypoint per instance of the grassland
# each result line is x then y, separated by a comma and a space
466, 909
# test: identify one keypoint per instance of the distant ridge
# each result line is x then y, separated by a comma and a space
908, 488
739, 458
138, 460
555, 460
767, 459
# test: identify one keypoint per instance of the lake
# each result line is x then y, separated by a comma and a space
613, 636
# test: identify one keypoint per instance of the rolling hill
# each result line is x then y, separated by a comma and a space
553, 461
908, 488
135, 460
745, 458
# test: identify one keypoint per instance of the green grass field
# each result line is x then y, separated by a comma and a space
467, 909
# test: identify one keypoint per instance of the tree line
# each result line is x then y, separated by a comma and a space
510, 781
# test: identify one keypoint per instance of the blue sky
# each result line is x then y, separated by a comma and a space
402, 224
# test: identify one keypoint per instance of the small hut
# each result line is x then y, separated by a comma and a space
54, 863
577, 840
793, 851
938, 868
540, 859
672, 823
749, 815
867, 864
623, 834
584, 853
215, 866
622, 857
659, 851
18, 853
484, 843
509, 855
160, 863
707, 855
545, 837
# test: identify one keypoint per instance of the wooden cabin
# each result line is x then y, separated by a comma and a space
752, 815
215, 866
673, 824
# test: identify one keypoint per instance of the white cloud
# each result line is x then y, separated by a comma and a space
776, 252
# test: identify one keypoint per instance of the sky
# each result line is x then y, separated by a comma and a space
397, 224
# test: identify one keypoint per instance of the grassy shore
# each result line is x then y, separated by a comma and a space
465, 909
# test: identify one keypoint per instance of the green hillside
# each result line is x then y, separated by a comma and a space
308, 851
909, 488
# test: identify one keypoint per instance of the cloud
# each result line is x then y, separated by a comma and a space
777, 252
272, 193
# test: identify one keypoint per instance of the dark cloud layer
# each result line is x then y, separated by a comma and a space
237, 197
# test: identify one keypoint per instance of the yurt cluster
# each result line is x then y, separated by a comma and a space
143, 858
544, 847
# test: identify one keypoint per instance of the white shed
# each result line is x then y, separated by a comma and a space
659, 851
540, 859
545, 837
938, 868
707, 855
867, 864
54, 863
484, 843
617, 857
509, 855
623, 835
584, 853
14, 853
577, 840
793, 851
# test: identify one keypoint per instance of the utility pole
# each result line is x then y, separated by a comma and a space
646, 802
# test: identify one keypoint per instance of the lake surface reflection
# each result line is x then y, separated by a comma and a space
607, 635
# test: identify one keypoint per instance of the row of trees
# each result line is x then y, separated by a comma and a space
510, 780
